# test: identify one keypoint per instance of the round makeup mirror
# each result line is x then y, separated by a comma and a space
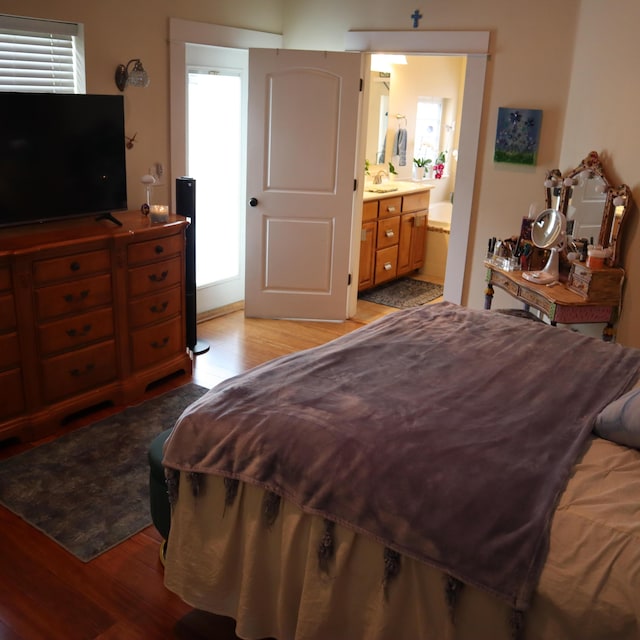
548, 232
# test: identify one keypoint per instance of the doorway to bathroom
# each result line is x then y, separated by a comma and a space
418, 100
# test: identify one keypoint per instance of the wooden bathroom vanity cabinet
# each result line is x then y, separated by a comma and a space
90, 312
394, 228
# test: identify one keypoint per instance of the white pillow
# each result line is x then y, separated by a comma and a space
619, 421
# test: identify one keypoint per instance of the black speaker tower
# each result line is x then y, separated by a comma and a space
186, 206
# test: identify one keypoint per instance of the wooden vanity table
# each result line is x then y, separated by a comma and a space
586, 210
563, 303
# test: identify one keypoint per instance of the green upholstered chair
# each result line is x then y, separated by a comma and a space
158, 497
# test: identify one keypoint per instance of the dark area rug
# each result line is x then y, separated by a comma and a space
89, 489
403, 293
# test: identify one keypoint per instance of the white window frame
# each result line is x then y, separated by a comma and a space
41, 55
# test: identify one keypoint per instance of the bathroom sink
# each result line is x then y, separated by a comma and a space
381, 188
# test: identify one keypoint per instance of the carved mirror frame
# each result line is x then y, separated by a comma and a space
617, 201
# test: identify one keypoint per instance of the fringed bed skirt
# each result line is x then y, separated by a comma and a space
293, 576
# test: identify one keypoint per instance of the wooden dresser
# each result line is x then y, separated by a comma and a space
393, 240
90, 312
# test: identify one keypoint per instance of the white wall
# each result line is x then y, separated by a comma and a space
602, 115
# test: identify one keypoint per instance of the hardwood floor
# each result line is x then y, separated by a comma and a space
46, 593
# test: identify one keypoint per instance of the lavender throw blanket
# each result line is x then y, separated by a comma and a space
447, 434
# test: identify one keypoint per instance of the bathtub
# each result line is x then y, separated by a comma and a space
437, 244
440, 215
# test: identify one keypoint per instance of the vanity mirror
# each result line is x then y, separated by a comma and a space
591, 206
548, 232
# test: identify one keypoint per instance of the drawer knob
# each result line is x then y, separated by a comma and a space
391, 209
154, 277
74, 333
163, 343
388, 266
159, 248
71, 298
75, 266
389, 233
159, 308
76, 373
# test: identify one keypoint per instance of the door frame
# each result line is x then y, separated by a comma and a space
181, 33
474, 45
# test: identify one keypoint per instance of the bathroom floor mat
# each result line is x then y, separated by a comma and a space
403, 293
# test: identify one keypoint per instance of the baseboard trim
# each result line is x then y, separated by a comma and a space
220, 311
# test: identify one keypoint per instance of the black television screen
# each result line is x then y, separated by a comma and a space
61, 156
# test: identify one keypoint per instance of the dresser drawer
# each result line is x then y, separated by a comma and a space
390, 206
416, 201
5, 278
155, 307
386, 264
388, 232
141, 252
156, 343
369, 210
156, 276
501, 281
538, 301
7, 313
79, 370
77, 265
73, 297
9, 351
12, 392
76, 331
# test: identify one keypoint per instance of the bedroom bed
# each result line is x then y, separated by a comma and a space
432, 475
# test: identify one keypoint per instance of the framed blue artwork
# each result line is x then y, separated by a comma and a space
517, 135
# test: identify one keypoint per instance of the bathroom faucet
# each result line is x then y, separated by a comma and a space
377, 179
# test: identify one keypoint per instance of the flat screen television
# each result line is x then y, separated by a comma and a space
61, 156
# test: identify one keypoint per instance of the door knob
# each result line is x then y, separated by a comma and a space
253, 202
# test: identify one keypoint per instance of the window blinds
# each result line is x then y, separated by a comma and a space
41, 55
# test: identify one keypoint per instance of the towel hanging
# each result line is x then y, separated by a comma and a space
400, 146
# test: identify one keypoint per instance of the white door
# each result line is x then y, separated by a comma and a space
302, 134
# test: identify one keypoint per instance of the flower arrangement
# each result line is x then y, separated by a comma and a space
438, 167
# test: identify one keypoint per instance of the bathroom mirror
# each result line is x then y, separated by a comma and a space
378, 126
592, 207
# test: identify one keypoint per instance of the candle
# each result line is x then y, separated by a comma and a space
159, 212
